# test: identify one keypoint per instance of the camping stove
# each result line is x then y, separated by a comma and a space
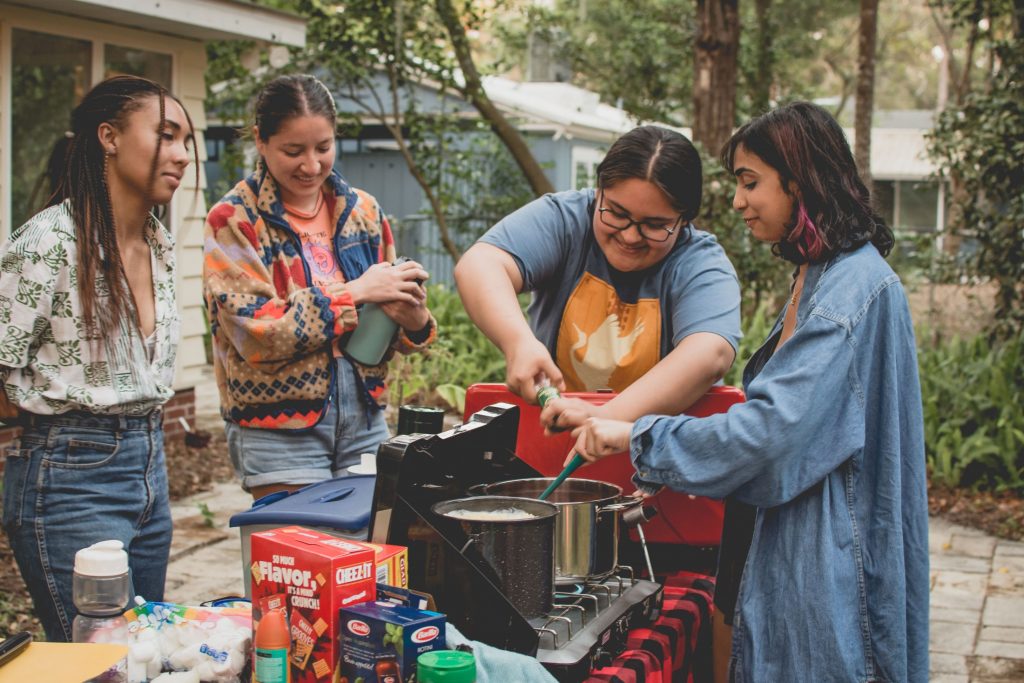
588, 624
587, 627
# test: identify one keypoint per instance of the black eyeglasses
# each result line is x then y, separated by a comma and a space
654, 233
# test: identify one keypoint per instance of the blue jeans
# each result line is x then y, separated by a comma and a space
268, 456
77, 479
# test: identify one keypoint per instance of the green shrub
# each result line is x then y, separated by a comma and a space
461, 356
973, 396
755, 330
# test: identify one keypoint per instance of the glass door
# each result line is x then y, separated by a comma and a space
49, 76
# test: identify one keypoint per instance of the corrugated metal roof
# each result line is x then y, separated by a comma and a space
898, 153
562, 108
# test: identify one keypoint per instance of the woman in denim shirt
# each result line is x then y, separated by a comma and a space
829, 447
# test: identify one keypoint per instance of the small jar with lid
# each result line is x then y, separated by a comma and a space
446, 666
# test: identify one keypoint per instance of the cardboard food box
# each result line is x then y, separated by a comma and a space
312, 575
379, 637
392, 564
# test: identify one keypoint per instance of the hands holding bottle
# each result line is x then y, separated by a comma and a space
398, 289
387, 283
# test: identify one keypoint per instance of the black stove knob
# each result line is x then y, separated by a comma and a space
602, 658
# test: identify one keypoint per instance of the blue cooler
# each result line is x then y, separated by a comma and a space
340, 507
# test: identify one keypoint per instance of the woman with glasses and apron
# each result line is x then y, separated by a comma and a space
627, 294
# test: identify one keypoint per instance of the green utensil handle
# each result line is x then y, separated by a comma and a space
573, 465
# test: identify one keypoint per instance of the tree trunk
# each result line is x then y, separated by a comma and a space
715, 65
867, 39
761, 93
473, 90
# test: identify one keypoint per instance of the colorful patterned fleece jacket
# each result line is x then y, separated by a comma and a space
274, 333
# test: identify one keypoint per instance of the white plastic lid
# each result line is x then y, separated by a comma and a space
106, 558
367, 464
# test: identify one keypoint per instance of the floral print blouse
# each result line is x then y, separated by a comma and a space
49, 362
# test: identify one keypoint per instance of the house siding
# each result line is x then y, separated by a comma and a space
188, 209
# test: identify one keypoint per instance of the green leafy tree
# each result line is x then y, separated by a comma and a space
637, 54
381, 55
979, 145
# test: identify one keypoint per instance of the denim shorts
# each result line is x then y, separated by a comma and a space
77, 479
266, 456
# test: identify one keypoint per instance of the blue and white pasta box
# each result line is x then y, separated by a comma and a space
377, 637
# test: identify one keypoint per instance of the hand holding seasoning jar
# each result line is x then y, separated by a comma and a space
546, 393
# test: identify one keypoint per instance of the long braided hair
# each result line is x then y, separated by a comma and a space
82, 179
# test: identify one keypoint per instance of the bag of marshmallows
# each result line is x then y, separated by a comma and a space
171, 643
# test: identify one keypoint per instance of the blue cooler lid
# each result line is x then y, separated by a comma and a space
343, 503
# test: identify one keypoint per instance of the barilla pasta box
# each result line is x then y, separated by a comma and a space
392, 564
312, 576
379, 637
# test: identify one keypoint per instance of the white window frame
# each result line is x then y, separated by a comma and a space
99, 36
590, 157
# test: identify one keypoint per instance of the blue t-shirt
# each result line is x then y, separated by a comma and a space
605, 328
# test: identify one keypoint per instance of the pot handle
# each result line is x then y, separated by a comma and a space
621, 505
472, 538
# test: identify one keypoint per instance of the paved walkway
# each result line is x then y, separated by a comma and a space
977, 606
977, 581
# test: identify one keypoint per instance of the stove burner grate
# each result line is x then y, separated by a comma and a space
587, 629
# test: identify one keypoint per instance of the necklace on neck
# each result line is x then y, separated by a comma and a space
797, 287
295, 211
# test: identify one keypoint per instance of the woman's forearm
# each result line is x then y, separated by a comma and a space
677, 381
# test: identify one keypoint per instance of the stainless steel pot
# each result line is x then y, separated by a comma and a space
520, 551
587, 529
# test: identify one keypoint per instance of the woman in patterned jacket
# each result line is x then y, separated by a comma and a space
88, 334
290, 253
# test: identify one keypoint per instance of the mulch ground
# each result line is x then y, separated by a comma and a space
189, 471
193, 470
998, 514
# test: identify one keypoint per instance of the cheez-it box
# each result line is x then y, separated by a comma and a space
392, 564
312, 575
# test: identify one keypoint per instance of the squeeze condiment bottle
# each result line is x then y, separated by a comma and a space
271, 642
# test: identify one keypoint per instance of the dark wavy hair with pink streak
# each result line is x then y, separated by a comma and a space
832, 210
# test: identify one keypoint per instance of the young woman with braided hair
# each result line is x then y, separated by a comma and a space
88, 335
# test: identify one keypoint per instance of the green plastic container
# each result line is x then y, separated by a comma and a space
446, 666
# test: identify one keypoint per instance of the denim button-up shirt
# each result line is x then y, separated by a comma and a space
830, 448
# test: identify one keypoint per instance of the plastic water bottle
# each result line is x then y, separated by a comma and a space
101, 593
